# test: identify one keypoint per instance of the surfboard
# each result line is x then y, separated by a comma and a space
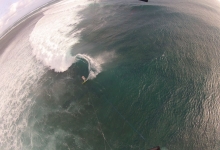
84, 81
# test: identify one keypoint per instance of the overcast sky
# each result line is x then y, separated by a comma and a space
13, 10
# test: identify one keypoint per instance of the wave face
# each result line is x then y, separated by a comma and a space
55, 34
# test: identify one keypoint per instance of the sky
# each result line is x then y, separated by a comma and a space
13, 10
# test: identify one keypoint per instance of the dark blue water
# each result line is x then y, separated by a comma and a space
157, 85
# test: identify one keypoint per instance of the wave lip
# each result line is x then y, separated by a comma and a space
94, 67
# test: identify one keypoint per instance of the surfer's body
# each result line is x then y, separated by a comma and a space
84, 79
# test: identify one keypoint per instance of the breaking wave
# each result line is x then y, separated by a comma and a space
94, 67
55, 34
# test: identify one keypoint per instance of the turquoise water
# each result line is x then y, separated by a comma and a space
152, 70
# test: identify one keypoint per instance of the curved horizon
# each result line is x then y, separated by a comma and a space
14, 10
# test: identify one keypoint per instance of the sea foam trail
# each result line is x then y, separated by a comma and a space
55, 34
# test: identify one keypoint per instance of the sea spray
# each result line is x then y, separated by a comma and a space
94, 68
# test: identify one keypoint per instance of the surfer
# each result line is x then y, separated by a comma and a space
84, 79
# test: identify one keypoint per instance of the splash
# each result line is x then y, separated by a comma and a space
94, 68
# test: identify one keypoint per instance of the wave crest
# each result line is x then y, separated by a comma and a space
94, 68
51, 41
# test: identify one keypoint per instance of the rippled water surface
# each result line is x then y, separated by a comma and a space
151, 69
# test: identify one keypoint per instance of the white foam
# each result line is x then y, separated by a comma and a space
51, 39
19, 74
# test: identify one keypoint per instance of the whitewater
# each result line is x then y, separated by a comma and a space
56, 32
48, 42
152, 71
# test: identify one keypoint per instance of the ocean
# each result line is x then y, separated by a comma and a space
152, 76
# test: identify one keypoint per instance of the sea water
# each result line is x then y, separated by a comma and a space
151, 69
